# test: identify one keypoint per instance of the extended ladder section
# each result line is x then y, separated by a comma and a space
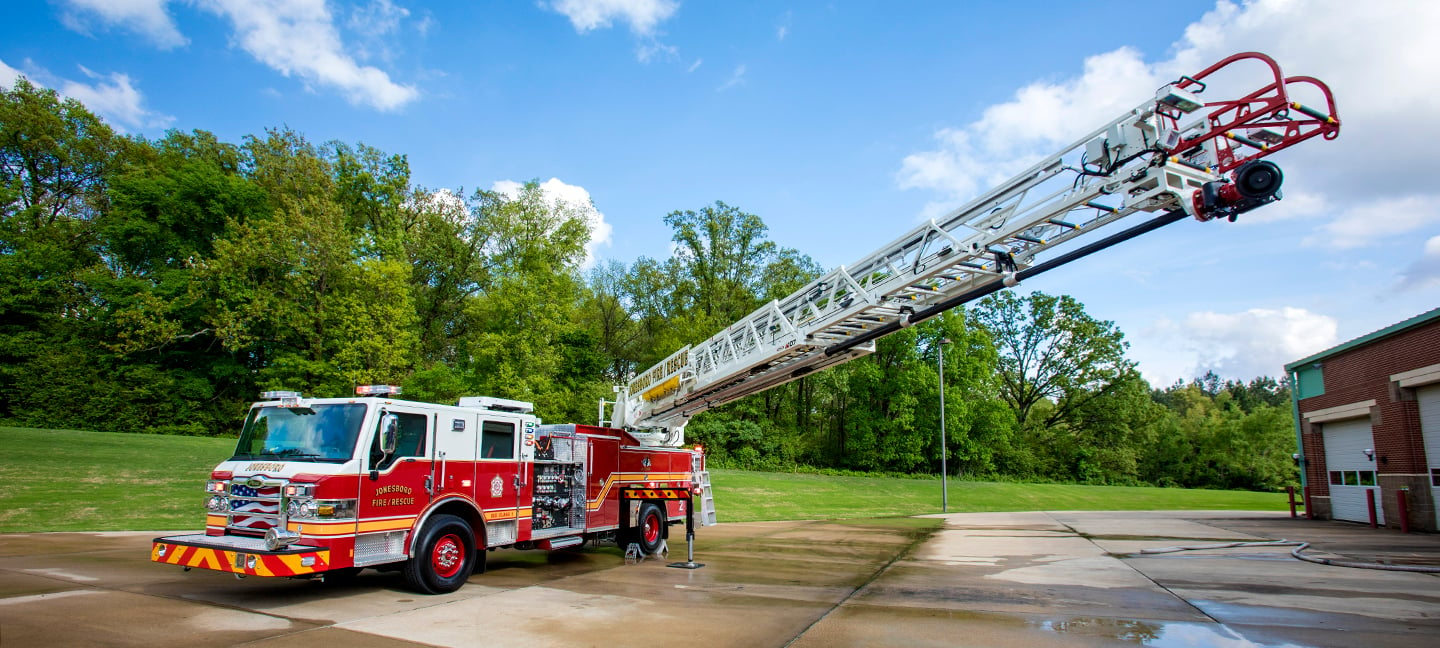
1182, 153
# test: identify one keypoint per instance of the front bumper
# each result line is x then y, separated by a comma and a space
239, 555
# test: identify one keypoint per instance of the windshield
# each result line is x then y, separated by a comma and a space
315, 433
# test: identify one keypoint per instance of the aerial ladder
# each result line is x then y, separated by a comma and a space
1185, 153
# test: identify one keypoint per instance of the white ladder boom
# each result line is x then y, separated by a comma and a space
1142, 161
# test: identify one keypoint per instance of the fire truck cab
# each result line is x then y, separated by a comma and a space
335, 485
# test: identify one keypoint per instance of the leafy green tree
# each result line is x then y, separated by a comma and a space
55, 157
1052, 350
373, 189
1210, 441
446, 245
724, 254
978, 426
607, 314
167, 204
524, 332
294, 290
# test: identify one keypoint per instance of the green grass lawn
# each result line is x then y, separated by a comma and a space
742, 496
68, 480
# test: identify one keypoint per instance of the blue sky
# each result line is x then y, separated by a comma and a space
841, 124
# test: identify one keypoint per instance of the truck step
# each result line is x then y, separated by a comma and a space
561, 543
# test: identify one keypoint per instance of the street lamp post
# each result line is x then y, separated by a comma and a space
944, 473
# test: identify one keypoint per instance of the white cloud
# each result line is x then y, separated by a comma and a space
374, 24
295, 37
423, 25
784, 29
736, 78
1364, 224
298, 37
1255, 342
646, 51
1425, 271
1010, 136
568, 196
1377, 58
113, 97
8, 75
641, 15
694, 66
1296, 205
145, 17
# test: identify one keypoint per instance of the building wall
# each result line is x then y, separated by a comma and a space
1361, 374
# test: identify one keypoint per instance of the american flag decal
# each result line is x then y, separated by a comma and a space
259, 513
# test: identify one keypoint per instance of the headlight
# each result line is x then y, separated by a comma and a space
216, 486
308, 509
216, 504
301, 508
299, 490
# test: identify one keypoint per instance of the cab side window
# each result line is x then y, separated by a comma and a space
497, 440
411, 442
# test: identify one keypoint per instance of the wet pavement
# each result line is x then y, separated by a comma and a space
986, 579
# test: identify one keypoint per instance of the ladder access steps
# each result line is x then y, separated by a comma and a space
707, 500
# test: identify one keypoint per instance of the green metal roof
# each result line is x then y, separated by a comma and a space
1423, 318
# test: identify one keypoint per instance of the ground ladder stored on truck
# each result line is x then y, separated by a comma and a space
1187, 152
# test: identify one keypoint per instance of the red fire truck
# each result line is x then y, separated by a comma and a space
335, 485
322, 485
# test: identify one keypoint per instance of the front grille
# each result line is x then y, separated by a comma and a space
255, 507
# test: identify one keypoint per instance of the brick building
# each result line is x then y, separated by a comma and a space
1368, 419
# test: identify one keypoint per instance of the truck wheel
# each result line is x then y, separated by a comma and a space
443, 557
652, 528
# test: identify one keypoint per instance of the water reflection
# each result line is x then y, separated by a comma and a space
1162, 634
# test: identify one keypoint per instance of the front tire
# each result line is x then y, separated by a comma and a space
444, 556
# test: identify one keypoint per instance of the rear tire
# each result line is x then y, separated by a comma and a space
650, 533
444, 556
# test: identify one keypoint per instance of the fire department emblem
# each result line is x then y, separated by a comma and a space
497, 487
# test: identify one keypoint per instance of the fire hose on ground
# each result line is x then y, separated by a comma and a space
1297, 552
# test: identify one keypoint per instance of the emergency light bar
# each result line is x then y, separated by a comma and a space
377, 390
286, 398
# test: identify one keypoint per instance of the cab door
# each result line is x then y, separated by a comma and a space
498, 479
455, 441
394, 487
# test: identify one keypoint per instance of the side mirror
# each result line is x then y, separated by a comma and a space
389, 433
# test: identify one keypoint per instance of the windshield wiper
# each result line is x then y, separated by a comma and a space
291, 452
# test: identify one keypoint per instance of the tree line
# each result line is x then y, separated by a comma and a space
157, 285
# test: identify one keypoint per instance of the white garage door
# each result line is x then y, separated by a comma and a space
1429, 398
1352, 475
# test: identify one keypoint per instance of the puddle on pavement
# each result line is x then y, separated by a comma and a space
1021, 629
1162, 634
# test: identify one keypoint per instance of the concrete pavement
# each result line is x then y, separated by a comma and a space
991, 579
